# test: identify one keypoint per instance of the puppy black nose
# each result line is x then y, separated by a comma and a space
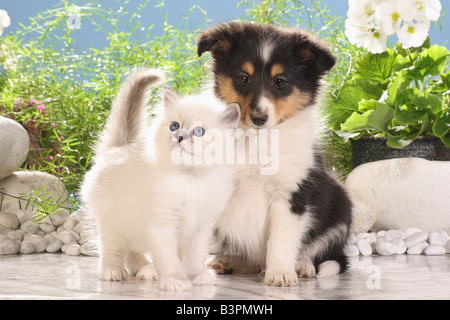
259, 120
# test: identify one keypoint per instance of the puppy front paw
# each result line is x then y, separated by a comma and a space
305, 269
204, 278
174, 284
113, 273
280, 279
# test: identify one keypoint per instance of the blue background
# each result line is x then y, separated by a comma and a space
217, 11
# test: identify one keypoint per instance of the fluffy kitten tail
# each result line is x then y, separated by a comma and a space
128, 117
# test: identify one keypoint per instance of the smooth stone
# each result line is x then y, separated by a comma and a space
9, 246
395, 189
66, 237
57, 219
412, 230
73, 250
364, 247
39, 242
394, 234
415, 238
70, 223
29, 227
14, 146
447, 246
80, 227
89, 249
54, 246
363, 217
8, 221
434, 238
418, 248
47, 228
15, 235
400, 245
26, 247
22, 183
23, 216
371, 238
385, 248
433, 250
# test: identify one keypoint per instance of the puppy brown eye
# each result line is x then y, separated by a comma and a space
245, 79
279, 82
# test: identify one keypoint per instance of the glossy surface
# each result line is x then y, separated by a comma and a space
58, 276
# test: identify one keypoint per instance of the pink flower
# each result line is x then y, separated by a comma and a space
41, 107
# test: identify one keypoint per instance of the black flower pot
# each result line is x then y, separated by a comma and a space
368, 149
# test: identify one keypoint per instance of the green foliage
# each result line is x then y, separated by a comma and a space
399, 94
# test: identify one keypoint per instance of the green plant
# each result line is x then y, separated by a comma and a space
399, 94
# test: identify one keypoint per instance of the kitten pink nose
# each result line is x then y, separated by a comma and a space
180, 138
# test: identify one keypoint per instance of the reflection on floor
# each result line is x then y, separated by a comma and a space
58, 276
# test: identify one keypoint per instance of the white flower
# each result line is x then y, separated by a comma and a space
372, 38
428, 9
361, 10
391, 14
4, 20
413, 34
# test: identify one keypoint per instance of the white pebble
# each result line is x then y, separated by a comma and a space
371, 238
444, 237
23, 216
364, 247
15, 235
9, 246
384, 247
73, 250
418, 248
47, 228
57, 218
89, 249
351, 250
395, 234
81, 226
400, 245
412, 230
434, 249
29, 227
26, 247
434, 237
66, 237
415, 238
39, 242
75, 235
54, 246
381, 234
70, 223
447, 246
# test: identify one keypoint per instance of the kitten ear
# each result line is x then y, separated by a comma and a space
231, 115
170, 97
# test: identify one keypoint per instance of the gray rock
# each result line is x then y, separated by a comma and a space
404, 193
14, 146
8, 221
9, 246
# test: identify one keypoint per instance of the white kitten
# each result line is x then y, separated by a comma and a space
153, 190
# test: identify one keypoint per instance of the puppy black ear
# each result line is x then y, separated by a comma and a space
315, 54
218, 40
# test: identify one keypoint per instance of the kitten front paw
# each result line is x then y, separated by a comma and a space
204, 278
220, 264
279, 279
147, 272
113, 273
174, 284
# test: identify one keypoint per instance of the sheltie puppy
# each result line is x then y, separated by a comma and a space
295, 222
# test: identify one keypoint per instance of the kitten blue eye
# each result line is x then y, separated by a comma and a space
199, 132
174, 126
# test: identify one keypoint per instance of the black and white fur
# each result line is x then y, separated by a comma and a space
294, 223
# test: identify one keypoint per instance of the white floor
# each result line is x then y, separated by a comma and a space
58, 276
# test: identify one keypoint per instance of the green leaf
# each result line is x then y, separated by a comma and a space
442, 125
430, 62
404, 116
401, 141
397, 89
346, 103
376, 67
426, 100
376, 119
446, 140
